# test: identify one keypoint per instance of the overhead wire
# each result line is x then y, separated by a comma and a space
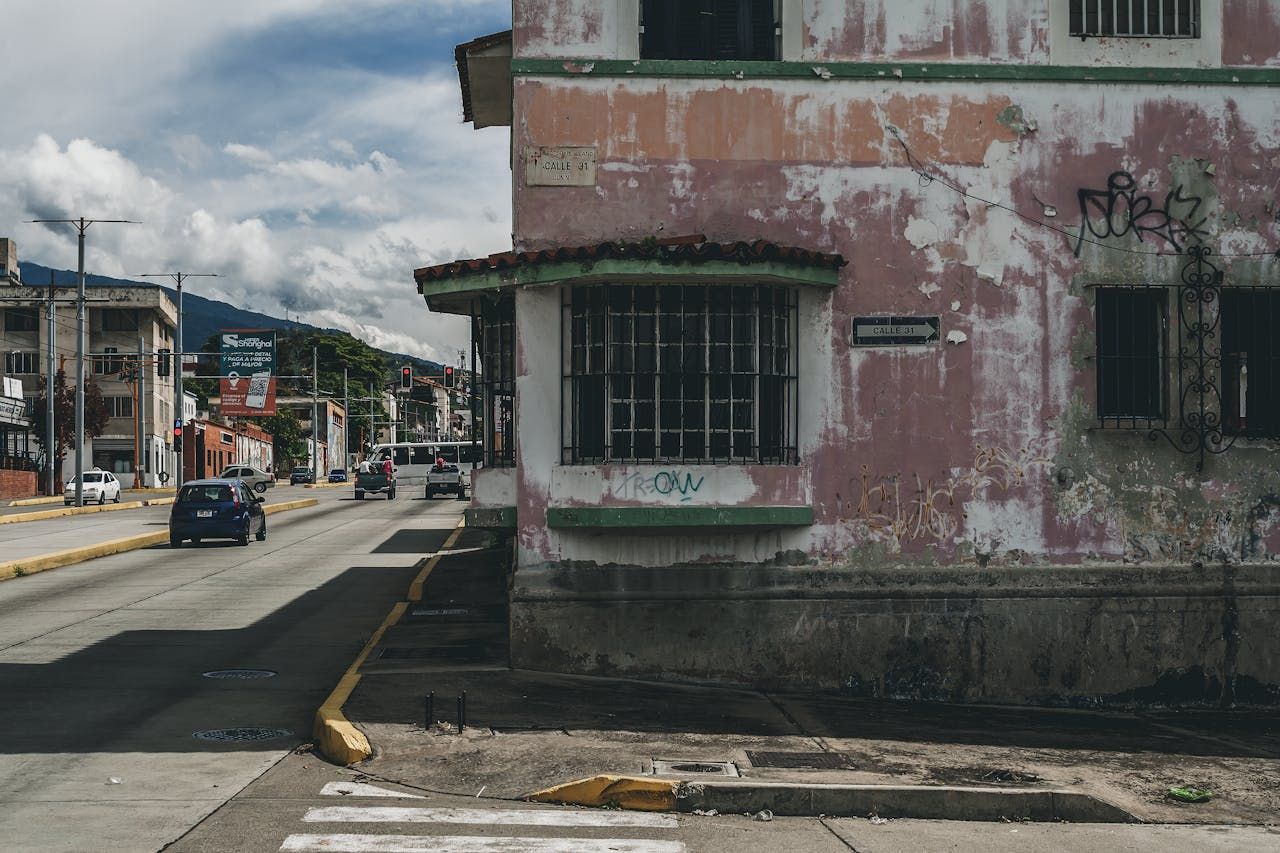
928, 177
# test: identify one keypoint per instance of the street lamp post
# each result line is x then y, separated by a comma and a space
178, 353
81, 225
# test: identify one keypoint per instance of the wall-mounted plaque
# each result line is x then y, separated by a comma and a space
895, 331
560, 167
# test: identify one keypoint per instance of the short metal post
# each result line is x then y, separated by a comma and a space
430, 711
462, 712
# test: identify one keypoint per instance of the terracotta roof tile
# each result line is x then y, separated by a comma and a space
690, 248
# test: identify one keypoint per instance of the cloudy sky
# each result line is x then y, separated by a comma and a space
310, 152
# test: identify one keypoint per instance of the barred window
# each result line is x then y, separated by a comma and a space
1131, 323
109, 362
1135, 18
689, 373
709, 29
22, 362
494, 331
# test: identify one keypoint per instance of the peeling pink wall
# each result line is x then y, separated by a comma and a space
954, 30
1251, 33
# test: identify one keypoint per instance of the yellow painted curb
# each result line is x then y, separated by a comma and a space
335, 736
415, 588
45, 514
634, 793
327, 485
44, 562
51, 499
57, 559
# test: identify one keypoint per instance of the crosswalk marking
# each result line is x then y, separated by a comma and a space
522, 817
362, 789
470, 844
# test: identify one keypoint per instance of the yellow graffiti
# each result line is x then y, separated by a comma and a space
933, 509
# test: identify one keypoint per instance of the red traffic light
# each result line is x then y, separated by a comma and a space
406, 377
448, 377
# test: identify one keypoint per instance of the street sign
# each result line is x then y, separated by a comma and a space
895, 331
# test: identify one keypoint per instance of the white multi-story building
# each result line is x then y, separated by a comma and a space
120, 322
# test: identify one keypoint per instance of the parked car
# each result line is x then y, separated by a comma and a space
216, 509
338, 475
301, 474
100, 486
257, 479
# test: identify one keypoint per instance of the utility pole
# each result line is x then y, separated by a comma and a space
373, 430
178, 353
50, 451
140, 477
315, 416
346, 421
81, 225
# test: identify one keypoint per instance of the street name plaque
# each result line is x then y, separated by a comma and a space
895, 331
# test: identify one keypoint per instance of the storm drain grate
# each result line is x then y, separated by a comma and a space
239, 674
800, 760
242, 735
694, 766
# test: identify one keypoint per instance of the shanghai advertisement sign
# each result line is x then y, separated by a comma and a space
248, 372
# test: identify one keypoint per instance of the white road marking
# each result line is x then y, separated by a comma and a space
471, 844
495, 817
363, 789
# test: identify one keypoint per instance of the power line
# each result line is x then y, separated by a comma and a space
928, 177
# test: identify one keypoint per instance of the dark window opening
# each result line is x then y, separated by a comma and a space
1135, 18
119, 320
1250, 372
689, 373
21, 320
709, 29
1131, 325
493, 329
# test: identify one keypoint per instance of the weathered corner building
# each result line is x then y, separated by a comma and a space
966, 386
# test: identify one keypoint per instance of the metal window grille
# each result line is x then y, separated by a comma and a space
119, 407
493, 329
1135, 18
680, 373
1130, 356
710, 29
108, 362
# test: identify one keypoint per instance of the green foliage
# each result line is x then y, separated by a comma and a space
96, 414
288, 438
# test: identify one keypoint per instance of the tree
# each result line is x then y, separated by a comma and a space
96, 416
289, 442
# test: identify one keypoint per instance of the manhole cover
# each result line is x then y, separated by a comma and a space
692, 766
239, 674
244, 735
800, 760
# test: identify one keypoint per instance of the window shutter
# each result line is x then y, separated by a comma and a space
730, 22
762, 30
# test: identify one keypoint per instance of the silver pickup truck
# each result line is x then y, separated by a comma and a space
446, 479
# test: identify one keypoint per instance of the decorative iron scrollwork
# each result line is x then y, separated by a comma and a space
1199, 360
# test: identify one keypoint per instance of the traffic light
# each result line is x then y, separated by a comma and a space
162, 362
177, 435
406, 377
449, 378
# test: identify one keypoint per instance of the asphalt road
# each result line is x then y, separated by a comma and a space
102, 667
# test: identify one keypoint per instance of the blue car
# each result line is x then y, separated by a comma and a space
216, 509
338, 475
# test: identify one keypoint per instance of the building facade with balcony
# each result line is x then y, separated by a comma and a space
907, 349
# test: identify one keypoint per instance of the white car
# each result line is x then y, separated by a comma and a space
99, 486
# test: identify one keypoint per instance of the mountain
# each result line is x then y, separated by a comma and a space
204, 317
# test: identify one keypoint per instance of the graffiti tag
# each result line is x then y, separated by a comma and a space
641, 485
1120, 210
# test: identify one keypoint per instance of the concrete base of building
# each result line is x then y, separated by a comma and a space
1087, 636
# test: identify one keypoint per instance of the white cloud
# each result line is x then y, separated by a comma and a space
320, 192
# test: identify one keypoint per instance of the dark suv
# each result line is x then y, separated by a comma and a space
301, 474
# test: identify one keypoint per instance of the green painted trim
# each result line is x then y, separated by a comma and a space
491, 517
638, 269
926, 71
678, 516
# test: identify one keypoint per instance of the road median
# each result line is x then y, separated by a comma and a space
57, 559
46, 514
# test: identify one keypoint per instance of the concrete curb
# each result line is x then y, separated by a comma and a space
335, 736
71, 556
326, 485
46, 514
51, 499
922, 802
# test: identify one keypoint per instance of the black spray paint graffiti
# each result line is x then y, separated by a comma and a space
1123, 211
642, 485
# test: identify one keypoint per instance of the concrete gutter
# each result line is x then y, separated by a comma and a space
46, 514
923, 802
58, 559
335, 736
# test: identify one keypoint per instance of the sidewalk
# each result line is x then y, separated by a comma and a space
528, 731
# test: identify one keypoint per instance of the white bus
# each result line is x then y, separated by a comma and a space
413, 459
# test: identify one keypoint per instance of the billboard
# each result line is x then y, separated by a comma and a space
248, 372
